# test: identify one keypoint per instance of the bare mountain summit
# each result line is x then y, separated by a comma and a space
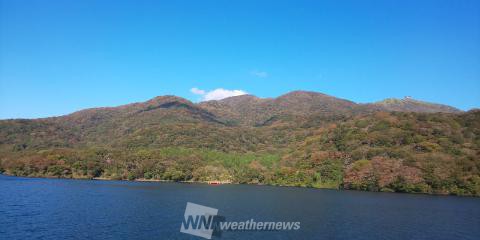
409, 104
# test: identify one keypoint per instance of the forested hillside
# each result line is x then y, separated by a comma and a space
298, 139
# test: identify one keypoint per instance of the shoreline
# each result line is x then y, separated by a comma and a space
233, 183
157, 180
213, 182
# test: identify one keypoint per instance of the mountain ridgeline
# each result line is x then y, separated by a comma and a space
298, 139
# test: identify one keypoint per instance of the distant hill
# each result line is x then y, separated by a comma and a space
251, 110
408, 104
297, 139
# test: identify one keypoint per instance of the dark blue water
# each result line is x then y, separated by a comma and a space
81, 209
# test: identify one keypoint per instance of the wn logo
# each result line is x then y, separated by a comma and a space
204, 222
200, 221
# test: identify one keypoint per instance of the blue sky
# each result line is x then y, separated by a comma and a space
57, 57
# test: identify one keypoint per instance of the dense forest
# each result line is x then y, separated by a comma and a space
298, 139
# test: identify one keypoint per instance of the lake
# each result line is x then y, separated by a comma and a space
34, 208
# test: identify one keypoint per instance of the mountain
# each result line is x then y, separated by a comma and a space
244, 109
297, 139
408, 104
251, 110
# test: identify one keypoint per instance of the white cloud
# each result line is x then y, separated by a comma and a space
221, 93
217, 94
197, 91
261, 74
